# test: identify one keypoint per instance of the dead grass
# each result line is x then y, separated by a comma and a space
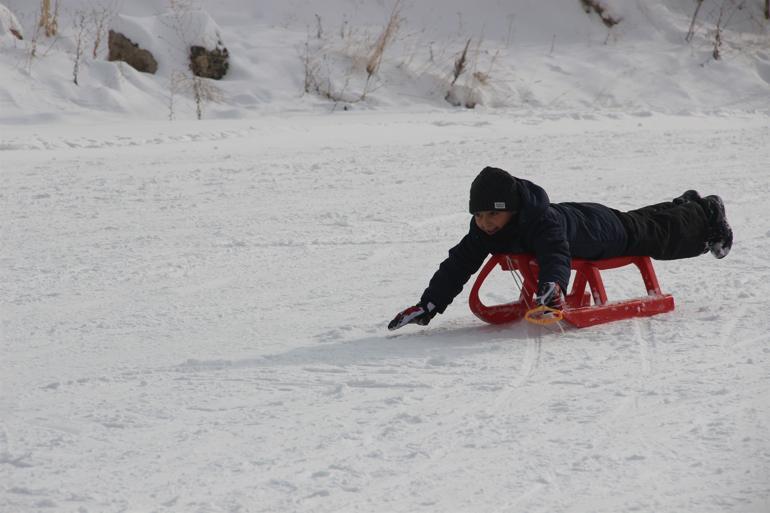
460, 63
385, 38
49, 20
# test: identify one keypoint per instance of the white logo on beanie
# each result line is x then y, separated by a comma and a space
500, 204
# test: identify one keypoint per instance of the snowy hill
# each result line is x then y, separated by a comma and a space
193, 313
522, 55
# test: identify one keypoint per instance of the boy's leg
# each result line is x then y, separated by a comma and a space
686, 197
652, 209
667, 231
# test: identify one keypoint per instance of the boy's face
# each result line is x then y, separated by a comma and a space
492, 221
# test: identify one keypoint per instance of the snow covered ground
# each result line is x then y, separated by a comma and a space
194, 320
193, 313
526, 56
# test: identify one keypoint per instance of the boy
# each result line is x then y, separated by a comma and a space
512, 215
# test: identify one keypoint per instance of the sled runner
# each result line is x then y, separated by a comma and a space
579, 310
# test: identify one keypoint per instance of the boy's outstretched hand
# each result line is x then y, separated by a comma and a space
418, 314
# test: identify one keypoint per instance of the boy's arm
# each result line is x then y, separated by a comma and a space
463, 261
549, 242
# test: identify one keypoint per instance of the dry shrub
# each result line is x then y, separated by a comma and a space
202, 91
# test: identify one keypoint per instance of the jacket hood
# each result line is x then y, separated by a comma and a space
534, 202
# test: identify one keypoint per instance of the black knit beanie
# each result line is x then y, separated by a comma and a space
494, 189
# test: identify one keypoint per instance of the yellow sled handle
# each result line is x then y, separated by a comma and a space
536, 315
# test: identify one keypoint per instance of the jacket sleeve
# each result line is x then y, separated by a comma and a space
549, 241
463, 261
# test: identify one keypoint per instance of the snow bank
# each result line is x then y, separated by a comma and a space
301, 55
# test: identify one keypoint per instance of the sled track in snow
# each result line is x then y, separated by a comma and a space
645, 337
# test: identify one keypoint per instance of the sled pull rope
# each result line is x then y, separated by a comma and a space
535, 315
518, 280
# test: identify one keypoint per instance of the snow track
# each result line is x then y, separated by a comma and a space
194, 321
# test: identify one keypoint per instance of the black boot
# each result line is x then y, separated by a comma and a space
720, 238
687, 196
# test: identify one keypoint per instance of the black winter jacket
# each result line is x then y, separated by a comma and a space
554, 232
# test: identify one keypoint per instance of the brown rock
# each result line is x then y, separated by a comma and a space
123, 49
207, 63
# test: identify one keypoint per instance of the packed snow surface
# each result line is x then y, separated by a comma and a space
193, 313
194, 320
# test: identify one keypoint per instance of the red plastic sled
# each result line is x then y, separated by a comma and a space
579, 311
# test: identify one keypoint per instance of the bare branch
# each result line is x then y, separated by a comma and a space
691, 32
80, 34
